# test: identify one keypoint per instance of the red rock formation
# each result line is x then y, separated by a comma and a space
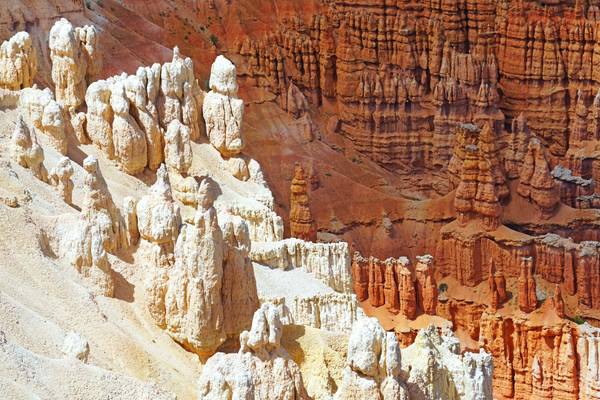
500, 283
531, 361
558, 303
536, 182
489, 151
360, 276
392, 301
497, 287
476, 195
376, 282
427, 294
518, 143
527, 287
406, 287
302, 224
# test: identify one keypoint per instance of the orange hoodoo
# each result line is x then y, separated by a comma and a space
302, 224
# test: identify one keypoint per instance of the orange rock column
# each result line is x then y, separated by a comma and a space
302, 224
527, 287
426, 286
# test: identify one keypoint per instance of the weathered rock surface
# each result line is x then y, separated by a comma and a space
436, 368
334, 312
100, 231
158, 215
527, 286
261, 369
222, 110
18, 62
45, 115
178, 153
60, 176
238, 289
536, 182
193, 301
373, 364
328, 262
27, 152
73, 52
144, 119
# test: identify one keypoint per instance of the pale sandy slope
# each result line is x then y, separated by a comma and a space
43, 298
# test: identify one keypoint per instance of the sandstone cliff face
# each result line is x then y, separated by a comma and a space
429, 68
395, 283
261, 369
527, 286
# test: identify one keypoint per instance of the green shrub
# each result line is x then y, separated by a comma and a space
578, 319
443, 287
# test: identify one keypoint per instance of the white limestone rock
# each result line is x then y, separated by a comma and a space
75, 60
43, 113
222, 110
436, 368
178, 151
60, 176
141, 90
18, 62
328, 262
333, 312
99, 116
261, 370
69, 64
128, 138
239, 294
75, 347
131, 226
27, 152
180, 95
100, 230
373, 364
158, 216
263, 223
194, 306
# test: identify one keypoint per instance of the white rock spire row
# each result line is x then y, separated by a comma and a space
18, 62
144, 119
